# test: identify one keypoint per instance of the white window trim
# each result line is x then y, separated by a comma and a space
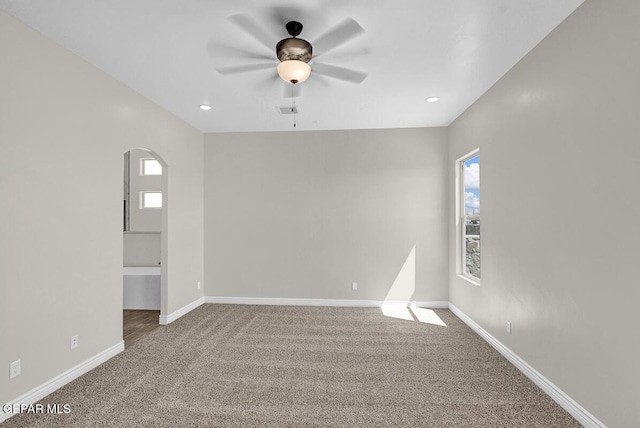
142, 193
461, 247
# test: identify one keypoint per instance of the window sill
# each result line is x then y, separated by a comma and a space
472, 280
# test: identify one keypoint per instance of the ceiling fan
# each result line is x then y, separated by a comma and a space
295, 57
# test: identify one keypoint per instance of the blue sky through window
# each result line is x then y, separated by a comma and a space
471, 176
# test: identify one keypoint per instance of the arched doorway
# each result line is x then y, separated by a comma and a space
144, 242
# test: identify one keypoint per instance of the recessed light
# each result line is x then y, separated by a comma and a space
205, 107
432, 99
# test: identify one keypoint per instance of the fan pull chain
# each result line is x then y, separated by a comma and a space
293, 104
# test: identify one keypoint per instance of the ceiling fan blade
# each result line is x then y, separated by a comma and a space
347, 54
266, 80
322, 80
239, 69
219, 51
338, 35
346, 74
253, 29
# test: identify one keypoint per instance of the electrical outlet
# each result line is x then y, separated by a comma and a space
74, 341
509, 327
14, 369
354, 286
199, 285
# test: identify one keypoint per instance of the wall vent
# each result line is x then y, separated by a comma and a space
288, 110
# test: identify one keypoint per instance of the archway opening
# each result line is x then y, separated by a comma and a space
145, 202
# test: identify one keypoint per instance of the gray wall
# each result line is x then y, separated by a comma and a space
305, 214
558, 137
64, 127
142, 249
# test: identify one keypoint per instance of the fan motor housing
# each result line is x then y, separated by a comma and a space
294, 49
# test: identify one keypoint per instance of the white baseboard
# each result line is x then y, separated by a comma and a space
322, 302
59, 381
435, 304
168, 319
578, 412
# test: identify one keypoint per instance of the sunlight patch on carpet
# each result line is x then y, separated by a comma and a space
423, 315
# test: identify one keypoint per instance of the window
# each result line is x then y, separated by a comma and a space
150, 200
469, 216
150, 167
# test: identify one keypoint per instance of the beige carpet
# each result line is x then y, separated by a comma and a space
269, 366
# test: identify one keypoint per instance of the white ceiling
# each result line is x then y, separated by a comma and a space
169, 51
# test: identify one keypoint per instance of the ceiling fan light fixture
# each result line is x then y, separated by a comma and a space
294, 71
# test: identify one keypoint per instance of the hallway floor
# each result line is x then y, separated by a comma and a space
137, 324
